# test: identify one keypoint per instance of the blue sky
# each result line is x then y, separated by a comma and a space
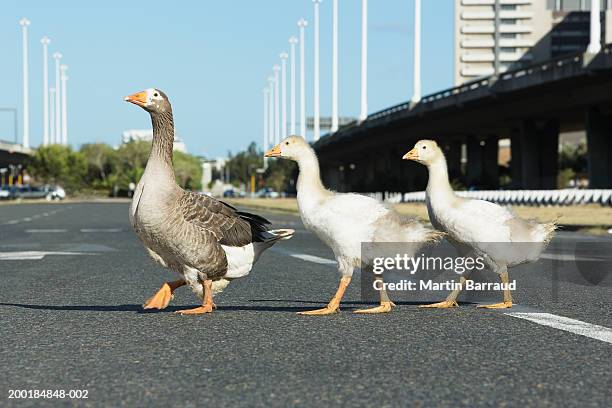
212, 58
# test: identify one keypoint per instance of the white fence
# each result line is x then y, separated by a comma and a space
513, 197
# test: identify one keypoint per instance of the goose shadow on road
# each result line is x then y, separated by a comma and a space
138, 308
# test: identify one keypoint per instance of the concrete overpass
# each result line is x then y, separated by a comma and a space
529, 106
12, 158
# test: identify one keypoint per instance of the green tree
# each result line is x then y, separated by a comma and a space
574, 156
130, 163
243, 164
188, 171
101, 162
281, 174
59, 165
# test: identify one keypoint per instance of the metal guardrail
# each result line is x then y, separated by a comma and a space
513, 197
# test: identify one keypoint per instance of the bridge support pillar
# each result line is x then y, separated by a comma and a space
331, 177
538, 156
482, 170
452, 151
599, 148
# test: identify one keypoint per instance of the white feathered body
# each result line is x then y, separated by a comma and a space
345, 221
487, 229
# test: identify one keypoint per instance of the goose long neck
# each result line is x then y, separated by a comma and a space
438, 182
309, 178
163, 138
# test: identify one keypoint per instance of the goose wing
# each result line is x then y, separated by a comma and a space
229, 226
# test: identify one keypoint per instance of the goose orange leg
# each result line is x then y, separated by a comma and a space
507, 303
164, 295
385, 303
451, 300
334, 304
207, 305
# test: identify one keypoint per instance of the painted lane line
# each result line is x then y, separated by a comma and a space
12, 222
313, 258
569, 258
34, 255
325, 261
87, 230
593, 331
45, 231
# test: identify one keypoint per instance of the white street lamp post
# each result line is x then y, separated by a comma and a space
416, 97
276, 68
317, 113
334, 124
45, 43
271, 111
283, 58
364, 61
266, 100
52, 137
64, 79
57, 56
595, 42
302, 24
292, 41
24, 23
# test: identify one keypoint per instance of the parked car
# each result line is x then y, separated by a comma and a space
267, 192
47, 192
5, 193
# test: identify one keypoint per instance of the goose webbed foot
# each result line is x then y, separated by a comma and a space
207, 306
507, 303
334, 305
502, 305
322, 312
384, 307
163, 296
447, 304
198, 310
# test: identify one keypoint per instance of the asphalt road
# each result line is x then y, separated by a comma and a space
73, 278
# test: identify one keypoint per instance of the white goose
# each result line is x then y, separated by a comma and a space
344, 221
477, 227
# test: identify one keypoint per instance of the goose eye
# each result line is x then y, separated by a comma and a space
424, 147
156, 94
286, 143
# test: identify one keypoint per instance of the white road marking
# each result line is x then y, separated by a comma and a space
86, 230
34, 255
314, 259
33, 217
593, 331
45, 231
568, 257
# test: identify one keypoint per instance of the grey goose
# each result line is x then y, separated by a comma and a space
206, 241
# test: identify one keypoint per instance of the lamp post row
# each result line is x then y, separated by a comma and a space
55, 113
275, 123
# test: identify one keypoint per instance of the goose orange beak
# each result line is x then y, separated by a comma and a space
139, 98
411, 155
274, 152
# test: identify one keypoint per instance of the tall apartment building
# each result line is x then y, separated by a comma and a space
493, 36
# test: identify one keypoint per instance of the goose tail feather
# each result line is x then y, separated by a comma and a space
282, 234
